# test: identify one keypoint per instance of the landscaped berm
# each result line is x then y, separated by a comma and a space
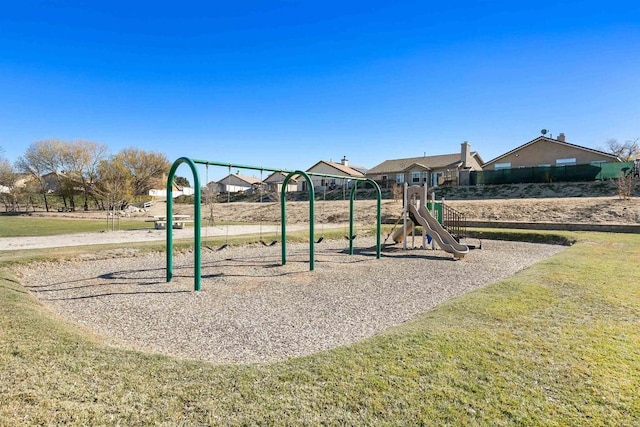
516, 333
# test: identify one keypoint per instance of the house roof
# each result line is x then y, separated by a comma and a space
361, 169
555, 141
425, 162
278, 177
349, 171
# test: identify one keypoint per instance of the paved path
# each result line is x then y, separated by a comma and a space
127, 236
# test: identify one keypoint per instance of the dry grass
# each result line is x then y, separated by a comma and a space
556, 344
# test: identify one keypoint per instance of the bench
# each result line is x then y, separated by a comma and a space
179, 221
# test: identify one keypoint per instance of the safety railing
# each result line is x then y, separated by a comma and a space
455, 222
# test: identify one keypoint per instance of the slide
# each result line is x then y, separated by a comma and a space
397, 235
434, 229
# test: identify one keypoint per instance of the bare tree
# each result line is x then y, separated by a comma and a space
80, 161
114, 183
624, 185
8, 190
209, 195
43, 158
627, 151
147, 168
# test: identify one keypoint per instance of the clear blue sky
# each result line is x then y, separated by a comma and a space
287, 83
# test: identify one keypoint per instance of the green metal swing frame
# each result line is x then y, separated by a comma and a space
197, 239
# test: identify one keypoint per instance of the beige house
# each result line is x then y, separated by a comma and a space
236, 183
544, 151
274, 182
434, 170
342, 174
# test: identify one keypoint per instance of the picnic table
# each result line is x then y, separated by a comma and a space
179, 221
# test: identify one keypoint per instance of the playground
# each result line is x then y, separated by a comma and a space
253, 309
410, 336
268, 302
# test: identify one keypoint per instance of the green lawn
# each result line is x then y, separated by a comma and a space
22, 226
557, 344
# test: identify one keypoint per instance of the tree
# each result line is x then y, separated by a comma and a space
115, 182
43, 158
8, 190
627, 151
181, 181
209, 195
80, 161
147, 169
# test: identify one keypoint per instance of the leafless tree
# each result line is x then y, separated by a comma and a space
41, 161
209, 195
80, 160
8, 190
147, 168
627, 151
114, 183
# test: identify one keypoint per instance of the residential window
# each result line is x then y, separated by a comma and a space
415, 177
400, 178
566, 162
503, 166
545, 165
385, 177
425, 176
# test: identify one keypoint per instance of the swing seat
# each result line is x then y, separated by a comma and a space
320, 239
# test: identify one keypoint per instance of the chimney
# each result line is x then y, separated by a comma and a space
344, 161
561, 137
465, 154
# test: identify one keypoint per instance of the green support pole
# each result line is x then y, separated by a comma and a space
351, 202
283, 217
197, 272
378, 216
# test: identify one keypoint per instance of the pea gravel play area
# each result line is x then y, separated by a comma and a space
251, 308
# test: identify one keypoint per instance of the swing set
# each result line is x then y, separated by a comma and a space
283, 223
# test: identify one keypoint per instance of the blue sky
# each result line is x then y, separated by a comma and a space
287, 83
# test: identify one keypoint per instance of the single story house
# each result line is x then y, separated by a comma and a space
434, 170
545, 151
342, 175
236, 183
176, 191
274, 182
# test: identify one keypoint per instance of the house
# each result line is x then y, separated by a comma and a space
342, 174
19, 181
51, 182
433, 170
545, 151
176, 191
236, 183
274, 182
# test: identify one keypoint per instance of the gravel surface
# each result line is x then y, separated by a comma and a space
251, 308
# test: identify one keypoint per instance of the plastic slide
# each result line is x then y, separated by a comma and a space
434, 229
397, 235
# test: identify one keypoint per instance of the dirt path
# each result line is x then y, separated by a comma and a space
334, 214
129, 236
